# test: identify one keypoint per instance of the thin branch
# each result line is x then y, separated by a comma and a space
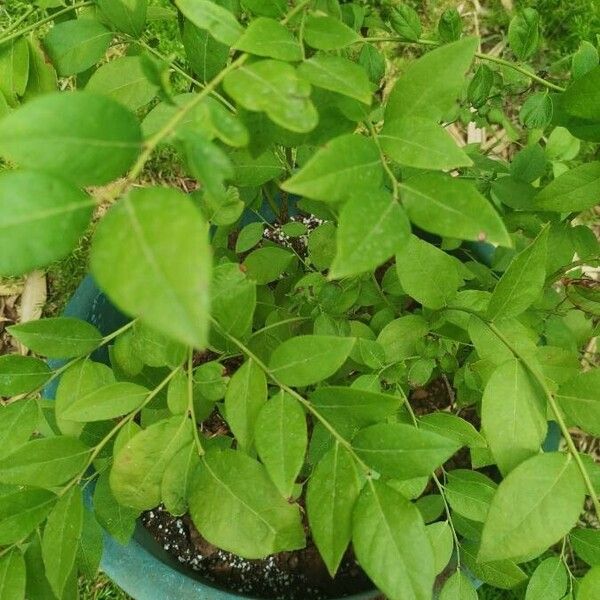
37, 24
479, 55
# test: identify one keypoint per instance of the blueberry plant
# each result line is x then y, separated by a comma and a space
431, 261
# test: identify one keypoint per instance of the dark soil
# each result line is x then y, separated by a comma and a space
298, 575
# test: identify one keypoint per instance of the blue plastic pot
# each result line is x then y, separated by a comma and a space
142, 568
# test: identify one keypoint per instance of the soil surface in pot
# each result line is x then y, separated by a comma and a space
298, 575
294, 575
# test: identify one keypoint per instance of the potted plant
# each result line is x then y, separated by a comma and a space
319, 387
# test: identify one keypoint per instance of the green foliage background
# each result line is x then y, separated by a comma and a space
564, 26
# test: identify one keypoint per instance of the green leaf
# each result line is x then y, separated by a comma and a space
41, 220
337, 74
431, 85
18, 421
61, 539
21, 374
469, 493
45, 462
233, 301
209, 380
442, 542
119, 521
138, 467
21, 510
321, 246
588, 587
267, 37
37, 587
78, 380
480, 86
84, 150
42, 75
584, 60
123, 80
549, 581
452, 207
177, 480
128, 16
537, 110
529, 164
76, 45
427, 274
573, 191
248, 237
373, 62
391, 543
265, 265
401, 451
513, 415
107, 402
307, 359
450, 25
349, 165
458, 587
361, 407
90, 546
294, 229
580, 399
328, 33
208, 163
582, 96
524, 33
503, 574
215, 19
196, 119
151, 255
331, 493
514, 193
491, 348
207, 57
14, 69
522, 283
12, 576
534, 507
266, 8
273, 87
254, 171
406, 22
58, 337
177, 394
586, 543
154, 348
281, 440
230, 487
371, 229
421, 143
453, 427
245, 396
399, 337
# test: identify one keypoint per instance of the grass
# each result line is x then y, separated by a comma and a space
101, 588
